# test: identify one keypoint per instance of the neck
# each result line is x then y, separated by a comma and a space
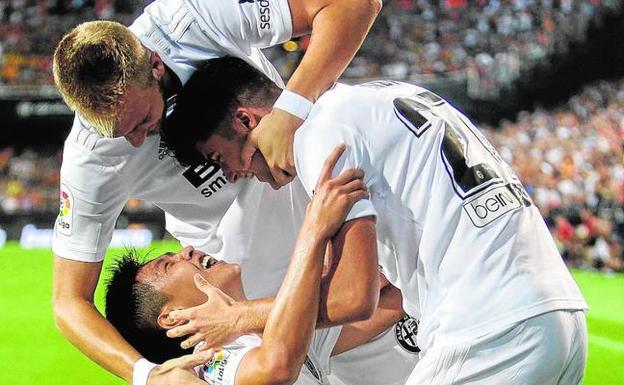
170, 83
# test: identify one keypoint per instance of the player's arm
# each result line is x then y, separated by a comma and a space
338, 28
84, 326
73, 286
388, 312
289, 328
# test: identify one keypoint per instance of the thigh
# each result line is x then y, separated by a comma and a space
574, 370
534, 351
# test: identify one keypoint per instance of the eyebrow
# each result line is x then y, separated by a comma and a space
160, 261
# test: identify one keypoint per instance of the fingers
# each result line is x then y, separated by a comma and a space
330, 163
190, 361
349, 175
192, 341
356, 196
181, 330
182, 314
203, 285
354, 185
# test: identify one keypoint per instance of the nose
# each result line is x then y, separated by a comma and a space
186, 252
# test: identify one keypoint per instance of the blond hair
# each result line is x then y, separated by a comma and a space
94, 64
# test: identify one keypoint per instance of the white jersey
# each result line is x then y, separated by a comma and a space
221, 370
98, 174
456, 231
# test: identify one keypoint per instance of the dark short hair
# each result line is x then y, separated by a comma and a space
207, 101
133, 307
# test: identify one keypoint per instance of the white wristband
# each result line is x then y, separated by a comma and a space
294, 104
141, 371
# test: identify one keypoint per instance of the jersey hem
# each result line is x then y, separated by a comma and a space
74, 255
503, 322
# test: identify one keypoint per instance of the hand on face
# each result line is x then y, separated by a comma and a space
210, 322
274, 137
334, 197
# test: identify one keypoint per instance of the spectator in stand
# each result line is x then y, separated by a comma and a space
570, 159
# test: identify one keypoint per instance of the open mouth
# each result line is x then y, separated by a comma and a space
207, 262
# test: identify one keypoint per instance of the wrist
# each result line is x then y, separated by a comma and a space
141, 371
239, 315
315, 232
294, 103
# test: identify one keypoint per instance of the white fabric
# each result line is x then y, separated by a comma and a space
550, 349
365, 364
221, 370
464, 272
99, 175
294, 104
141, 371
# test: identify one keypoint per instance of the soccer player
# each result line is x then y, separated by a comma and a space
141, 297
117, 79
456, 231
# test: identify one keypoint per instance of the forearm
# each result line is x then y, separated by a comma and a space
296, 304
338, 30
388, 312
78, 319
83, 325
350, 291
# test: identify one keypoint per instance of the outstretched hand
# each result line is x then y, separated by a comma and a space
179, 371
274, 137
210, 322
333, 198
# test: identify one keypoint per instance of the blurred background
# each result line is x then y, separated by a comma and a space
544, 79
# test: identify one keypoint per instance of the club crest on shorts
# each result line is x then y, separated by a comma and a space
405, 332
66, 210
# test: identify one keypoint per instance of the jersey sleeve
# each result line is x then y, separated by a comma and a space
315, 140
91, 198
204, 239
222, 368
246, 23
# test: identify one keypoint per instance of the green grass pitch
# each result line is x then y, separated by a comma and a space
32, 350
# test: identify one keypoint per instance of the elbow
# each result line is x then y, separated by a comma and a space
59, 312
356, 308
283, 369
362, 310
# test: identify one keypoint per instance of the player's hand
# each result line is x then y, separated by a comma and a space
179, 371
334, 197
274, 137
210, 322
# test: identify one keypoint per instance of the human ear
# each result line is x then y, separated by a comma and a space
245, 120
165, 320
157, 65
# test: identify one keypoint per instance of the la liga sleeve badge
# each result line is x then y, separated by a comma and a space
66, 212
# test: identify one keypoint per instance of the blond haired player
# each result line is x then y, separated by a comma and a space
117, 80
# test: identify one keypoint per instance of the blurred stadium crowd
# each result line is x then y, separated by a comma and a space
488, 40
570, 159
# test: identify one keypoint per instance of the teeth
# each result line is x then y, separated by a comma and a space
205, 261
